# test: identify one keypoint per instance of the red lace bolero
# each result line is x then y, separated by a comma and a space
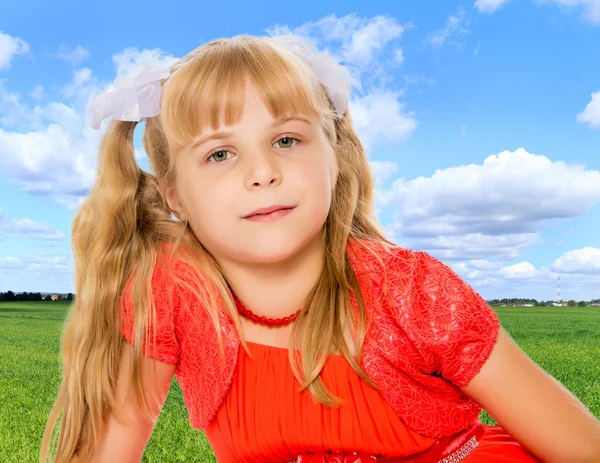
430, 333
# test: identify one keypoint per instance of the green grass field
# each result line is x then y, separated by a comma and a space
563, 340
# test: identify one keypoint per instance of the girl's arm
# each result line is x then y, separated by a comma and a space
126, 443
533, 407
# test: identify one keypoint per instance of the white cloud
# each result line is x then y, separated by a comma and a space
12, 111
380, 116
579, 261
520, 270
55, 160
9, 48
36, 272
26, 228
54, 152
465, 246
83, 86
382, 170
398, 56
493, 209
129, 58
71, 202
367, 41
74, 55
591, 8
361, 40
483, 265
455, 26
489, 6
524, 280
38, 92
82, 76
591, 113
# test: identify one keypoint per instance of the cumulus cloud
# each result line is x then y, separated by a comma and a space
381, 116
38, 92
489, 6
73, 55
494, 209
36, 272
584, 261
26, 228
591, 114
579, 272
520, 270
12, 111
358, 41
383, 170
10, 47
49, 149
590, 9
129, 58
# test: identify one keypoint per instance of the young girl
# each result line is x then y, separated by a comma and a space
257, 231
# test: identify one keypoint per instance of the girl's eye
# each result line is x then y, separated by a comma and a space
219, 156
286, 142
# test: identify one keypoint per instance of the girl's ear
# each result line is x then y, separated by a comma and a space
174, 202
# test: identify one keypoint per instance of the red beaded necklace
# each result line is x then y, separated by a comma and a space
264, 320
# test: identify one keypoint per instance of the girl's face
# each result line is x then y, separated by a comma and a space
229, 179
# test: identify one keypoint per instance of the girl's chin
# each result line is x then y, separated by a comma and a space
271, 251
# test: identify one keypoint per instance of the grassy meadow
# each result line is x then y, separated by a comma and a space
563, 340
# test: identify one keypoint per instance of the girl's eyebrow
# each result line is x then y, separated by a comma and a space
283, 120
212, 136
222, 135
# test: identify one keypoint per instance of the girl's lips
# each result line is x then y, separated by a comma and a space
270, 214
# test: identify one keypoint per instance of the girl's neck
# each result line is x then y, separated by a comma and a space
279, 290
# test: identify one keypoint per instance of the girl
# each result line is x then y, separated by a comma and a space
257, 230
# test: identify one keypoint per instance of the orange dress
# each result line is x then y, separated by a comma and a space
264, 419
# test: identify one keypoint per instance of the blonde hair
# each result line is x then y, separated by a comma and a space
125, 222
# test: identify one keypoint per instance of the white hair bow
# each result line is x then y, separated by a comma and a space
132, 97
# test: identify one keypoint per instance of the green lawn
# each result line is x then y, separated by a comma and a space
563, 340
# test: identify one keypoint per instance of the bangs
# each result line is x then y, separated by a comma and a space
207, 90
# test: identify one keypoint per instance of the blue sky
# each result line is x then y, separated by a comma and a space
481, 120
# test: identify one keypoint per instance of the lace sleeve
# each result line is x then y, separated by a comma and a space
460, 328
166, 303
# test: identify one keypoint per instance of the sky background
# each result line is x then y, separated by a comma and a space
481, 121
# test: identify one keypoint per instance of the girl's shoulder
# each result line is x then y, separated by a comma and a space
174, 269
174, 282
382, 261
392, 263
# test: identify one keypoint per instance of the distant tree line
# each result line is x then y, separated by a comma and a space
11, 296
536, 303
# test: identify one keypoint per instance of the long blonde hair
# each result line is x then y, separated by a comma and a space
125, 222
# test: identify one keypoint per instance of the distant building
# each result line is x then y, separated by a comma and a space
54, 298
